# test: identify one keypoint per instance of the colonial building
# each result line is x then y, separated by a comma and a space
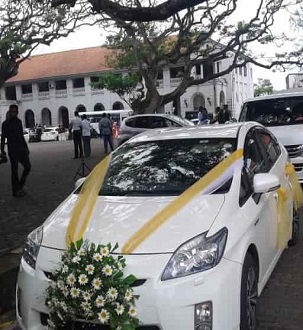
50, 87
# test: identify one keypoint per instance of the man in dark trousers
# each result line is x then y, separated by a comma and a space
75, 127
18, 152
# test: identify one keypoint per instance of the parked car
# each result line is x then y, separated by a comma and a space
137, 124
54, 134
35, 134
283, 115
26, 134
207, 260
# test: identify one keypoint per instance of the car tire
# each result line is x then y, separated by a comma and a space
249, 294
295, 228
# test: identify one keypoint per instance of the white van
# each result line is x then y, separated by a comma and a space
283, 115
116, 115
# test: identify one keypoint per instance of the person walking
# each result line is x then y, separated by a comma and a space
75, 127
227, 114
86, 135
105, 127
18, 152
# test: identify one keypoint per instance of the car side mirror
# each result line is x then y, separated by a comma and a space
265, 182
79, 182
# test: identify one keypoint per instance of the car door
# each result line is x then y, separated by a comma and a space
260, 210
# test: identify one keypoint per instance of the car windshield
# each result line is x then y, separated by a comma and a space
275, 111
165, 167
181, 121
47, 130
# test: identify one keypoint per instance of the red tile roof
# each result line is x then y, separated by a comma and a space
67, 63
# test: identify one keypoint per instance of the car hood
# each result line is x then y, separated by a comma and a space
288, 134
116, 219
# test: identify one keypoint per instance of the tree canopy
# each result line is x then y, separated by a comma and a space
198, 36
25, 24
263, 87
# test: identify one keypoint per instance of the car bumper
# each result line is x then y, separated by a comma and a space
167, 305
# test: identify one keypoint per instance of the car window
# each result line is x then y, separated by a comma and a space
165, 167
157, 122
142, 122
171, 123
270, 144
130, 122
253, 163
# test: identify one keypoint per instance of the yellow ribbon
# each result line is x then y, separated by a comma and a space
284, 223
162, 216
295, 185
85, 204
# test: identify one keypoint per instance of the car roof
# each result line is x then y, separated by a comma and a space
165, 115
274, 96
207, 131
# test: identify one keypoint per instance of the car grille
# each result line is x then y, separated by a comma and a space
294, 150
78, 325
298, 167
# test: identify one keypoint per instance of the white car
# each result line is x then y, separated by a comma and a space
206, 264
26, 134
53, 134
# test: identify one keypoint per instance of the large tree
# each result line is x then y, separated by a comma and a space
263, 87
200, 35
25, 24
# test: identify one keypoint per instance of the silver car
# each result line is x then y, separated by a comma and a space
134, 125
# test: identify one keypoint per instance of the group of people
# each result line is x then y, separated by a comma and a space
81, 130
222, 115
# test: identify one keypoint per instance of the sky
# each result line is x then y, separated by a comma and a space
91, 36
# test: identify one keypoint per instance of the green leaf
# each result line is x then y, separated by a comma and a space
117, 275
130, 279
79, 243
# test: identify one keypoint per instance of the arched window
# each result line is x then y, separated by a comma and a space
99, 107
29, 118
198, 101
63, 117
80, 108
118, 106
46, 117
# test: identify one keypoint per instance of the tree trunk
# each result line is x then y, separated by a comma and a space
177, 106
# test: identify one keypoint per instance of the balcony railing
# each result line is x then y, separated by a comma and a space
160, 83
61, 93
175, 81
43, 95
27, 96
79, 91
97, 91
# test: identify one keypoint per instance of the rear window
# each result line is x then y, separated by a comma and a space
275, 111
166, 167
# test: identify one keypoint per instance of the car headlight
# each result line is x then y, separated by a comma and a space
196, 255
32, 246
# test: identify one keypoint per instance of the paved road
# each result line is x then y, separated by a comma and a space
51, 180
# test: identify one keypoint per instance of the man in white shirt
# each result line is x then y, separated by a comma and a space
76, 126
86, 128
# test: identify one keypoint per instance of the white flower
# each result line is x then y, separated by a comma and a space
71, 279
74, 292
90, 269
60, 284
97, 257
64, 269
86, 306
76, 259
105, 251
51, 324
65, 291
103, 316
119, 309
82, 279
100, 301
132, 311
97, 283
107, 270
86, 295
81, 252
128, 295
112, 293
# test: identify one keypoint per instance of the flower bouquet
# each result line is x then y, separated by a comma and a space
89, 285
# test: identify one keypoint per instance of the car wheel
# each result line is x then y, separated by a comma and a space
295, 228
249, 294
